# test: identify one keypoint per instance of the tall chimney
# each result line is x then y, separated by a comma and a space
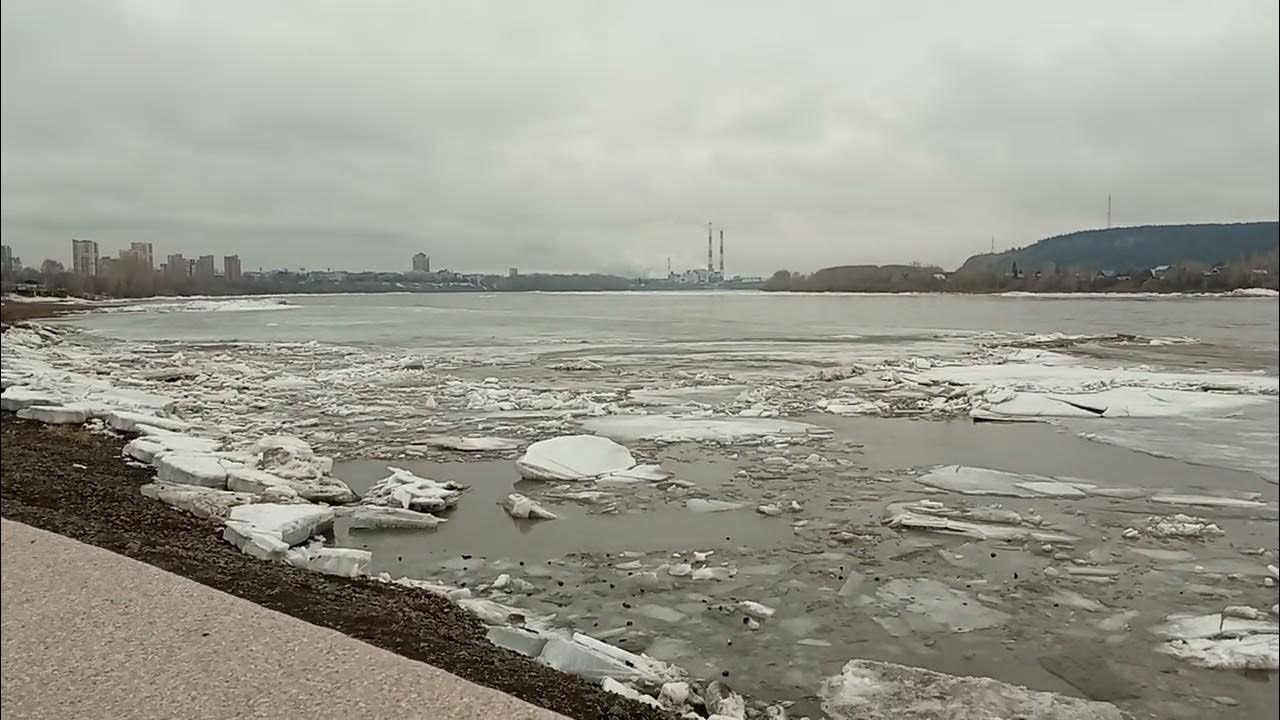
710, 267
721, 254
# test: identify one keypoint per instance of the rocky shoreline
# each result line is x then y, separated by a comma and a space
67, 480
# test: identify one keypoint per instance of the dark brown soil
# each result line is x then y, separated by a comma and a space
99, 504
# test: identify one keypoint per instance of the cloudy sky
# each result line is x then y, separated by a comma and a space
590, 136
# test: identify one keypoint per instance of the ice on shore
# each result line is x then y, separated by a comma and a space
188, 468
589, 658
519, 506
668, 428
522, 640
75, 413
343, 562
203, 502
874, 690
583, 457
323, 489
613, 686
128, 421
405, 490
470, 444
378, 517
290, 524
291, 458
17, 397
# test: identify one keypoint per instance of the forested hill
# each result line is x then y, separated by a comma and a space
1135, 248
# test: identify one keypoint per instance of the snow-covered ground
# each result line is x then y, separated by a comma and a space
714, 503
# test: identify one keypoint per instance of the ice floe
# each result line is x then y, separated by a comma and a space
668, 428
1223, 642
924, 605
379, 517
873, 690
584, 457
519, 506
403, 489
204, 502
470, 444
190, 468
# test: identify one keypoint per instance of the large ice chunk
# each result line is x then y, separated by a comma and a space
291, 524
128, 421
343, 562
403, 489
873, 690
191, 469
18, 397
985, 481
69, 414
377, 517
574, 457
592, 659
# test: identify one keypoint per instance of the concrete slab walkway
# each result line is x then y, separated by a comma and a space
91, 634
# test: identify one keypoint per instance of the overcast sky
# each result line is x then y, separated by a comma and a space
592, 136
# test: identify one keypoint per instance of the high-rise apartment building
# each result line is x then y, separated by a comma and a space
231, 268
8, 261
176, 266
421, 263
142, 251
204, 267
84, 257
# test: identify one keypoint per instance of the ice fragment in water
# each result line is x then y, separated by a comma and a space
376, 517
519, 506
700, 505
574, 457
405, 490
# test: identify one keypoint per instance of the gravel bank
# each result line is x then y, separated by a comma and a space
99, 504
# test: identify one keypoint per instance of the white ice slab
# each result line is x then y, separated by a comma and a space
590, 658
574, 457
128, 421
1206, 501
375, 517
343, 562
668, 428
872, 690
702, 505
191, 469
985, 481
68, 414
519, 506
18, 397
928, 606
292, 524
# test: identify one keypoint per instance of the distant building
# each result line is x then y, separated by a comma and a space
204, 267
231, 268
514, 272
142, 251
84, 257
107, 266
421, 263
8, 261
176, 266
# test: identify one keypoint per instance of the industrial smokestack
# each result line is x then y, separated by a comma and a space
710, 267
722, 254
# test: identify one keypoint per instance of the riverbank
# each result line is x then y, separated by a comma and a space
66, 480
12, 312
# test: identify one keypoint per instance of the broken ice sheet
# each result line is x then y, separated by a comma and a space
927, 605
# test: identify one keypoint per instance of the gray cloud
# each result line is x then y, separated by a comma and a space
581, 136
